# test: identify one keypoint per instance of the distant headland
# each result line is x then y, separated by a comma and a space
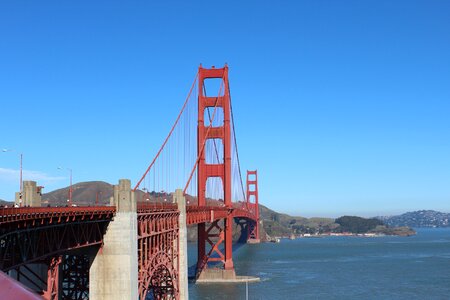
283, 225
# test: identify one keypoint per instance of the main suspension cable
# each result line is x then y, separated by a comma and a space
235, 142
168, 136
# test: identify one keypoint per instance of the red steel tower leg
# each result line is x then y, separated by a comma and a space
252, 192
222, 170
53, 280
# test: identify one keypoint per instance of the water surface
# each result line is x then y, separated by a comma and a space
416, 267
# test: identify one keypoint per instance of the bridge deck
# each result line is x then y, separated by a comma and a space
195, 214
10, 215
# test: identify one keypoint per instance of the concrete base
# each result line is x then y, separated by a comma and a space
223, 276
114, 271
253, 241
182, 242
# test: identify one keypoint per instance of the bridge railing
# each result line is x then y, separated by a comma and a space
195, 214
28, 213
205, 214
155, 206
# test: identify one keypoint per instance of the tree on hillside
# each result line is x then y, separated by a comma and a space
356, 224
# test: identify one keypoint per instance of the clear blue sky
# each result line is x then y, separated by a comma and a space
342, 106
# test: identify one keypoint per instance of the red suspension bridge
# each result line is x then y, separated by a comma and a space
92, 252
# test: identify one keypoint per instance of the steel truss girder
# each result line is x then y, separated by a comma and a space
158, 254
26, 217
67, 277
75, 277
24, 246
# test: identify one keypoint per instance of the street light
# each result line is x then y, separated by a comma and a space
69, 201
21, 172
96, 198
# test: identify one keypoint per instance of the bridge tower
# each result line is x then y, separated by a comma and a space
216, 233
252, 195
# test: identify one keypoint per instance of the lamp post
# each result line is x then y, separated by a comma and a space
96, 197
70, 186
20, 177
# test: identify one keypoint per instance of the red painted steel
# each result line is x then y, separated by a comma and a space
75, 277
206, 214
155, 207
26, 217
52, 292
206, 171
52, 231
252, 192
55, 214
34, 234
158, 260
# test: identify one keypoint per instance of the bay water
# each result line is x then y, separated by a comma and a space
390, 267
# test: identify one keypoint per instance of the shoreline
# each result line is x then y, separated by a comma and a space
344, 234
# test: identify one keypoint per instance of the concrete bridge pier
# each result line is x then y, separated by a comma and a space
113, 274
30, 196
182, 250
